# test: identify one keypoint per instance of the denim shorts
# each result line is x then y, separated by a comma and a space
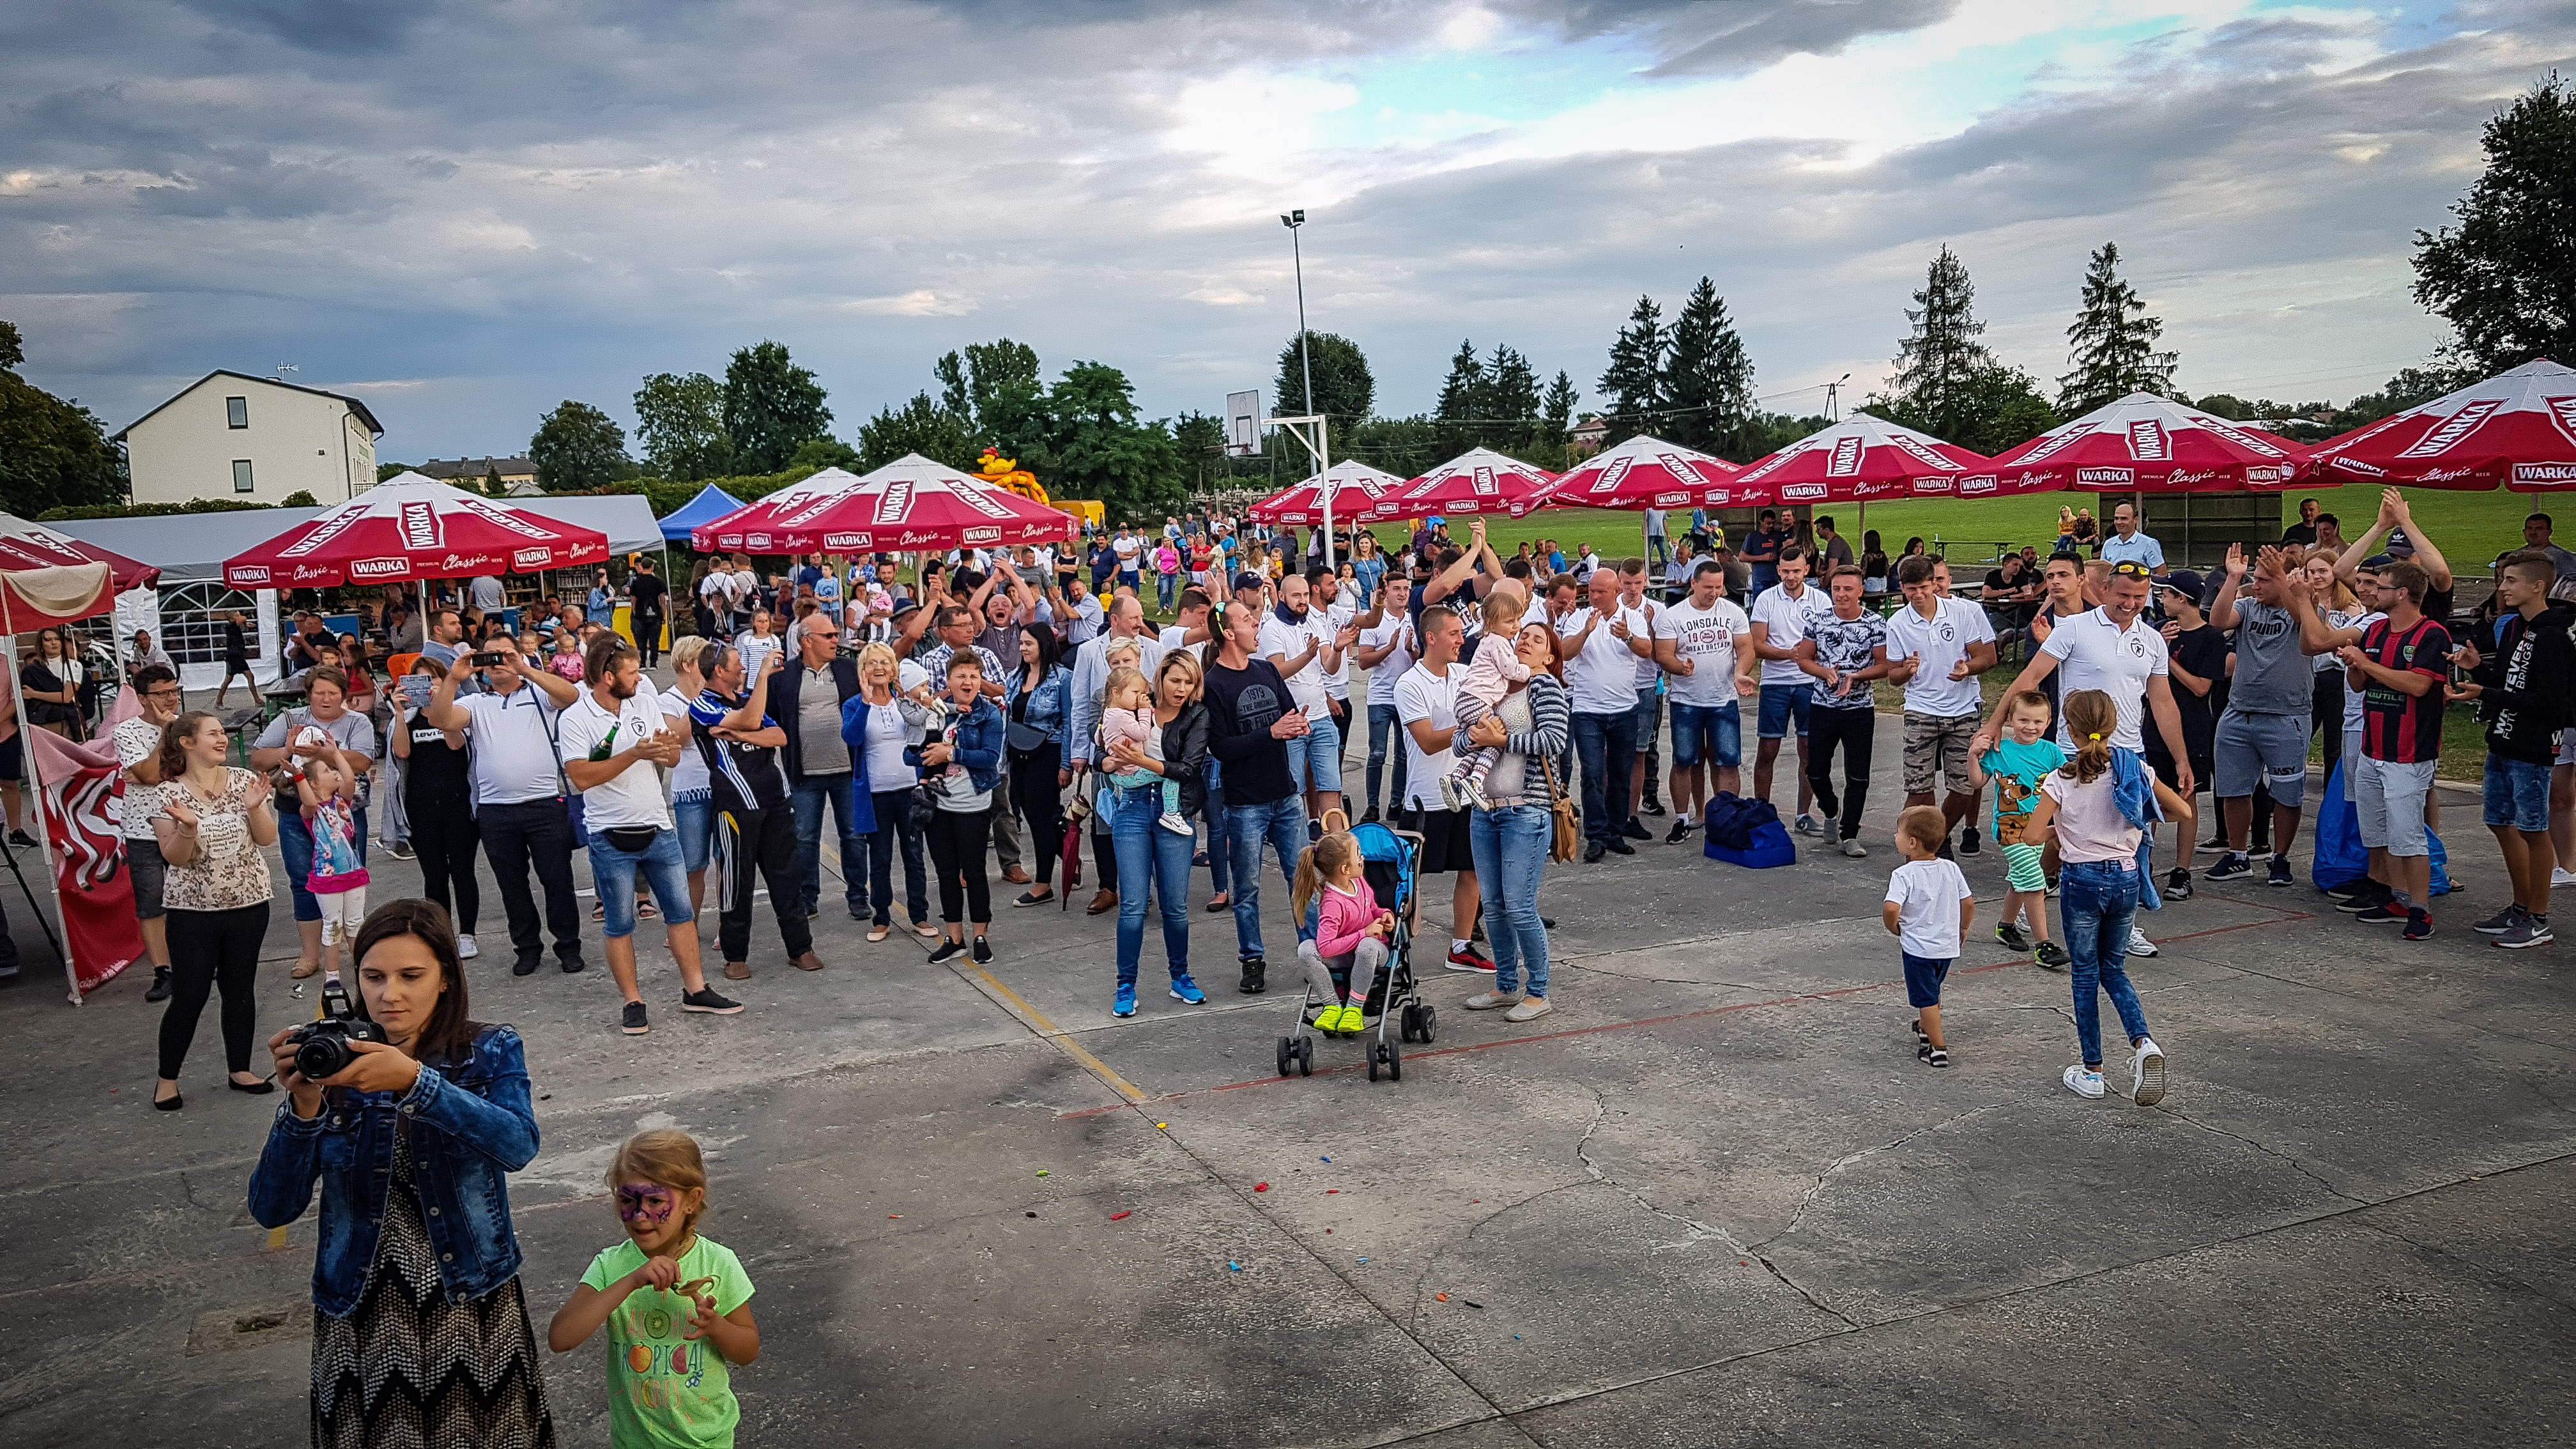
1713, 732
613, 871
1782, 703
2517, 794
1315, 757
694, 811
1646, 716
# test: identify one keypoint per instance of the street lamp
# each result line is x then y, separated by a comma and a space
1306, 370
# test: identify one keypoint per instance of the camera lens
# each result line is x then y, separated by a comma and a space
322, 1056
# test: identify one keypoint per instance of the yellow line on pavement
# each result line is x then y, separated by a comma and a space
277, 1237
1072, 1048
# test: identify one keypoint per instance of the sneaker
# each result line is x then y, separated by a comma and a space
1680, 832
2178, 885
1531, 1008
2139, 945
525, 965
2371, 896
1617, 846
1653, 806
1125, 1005
1854, 850
160, 985
2360, 885
1968, 840
1370, 818
948, 951
2419, 925
466, 950
2051, 956
1351, 1020
1470, 959
2147, 1068
1184, 989
704, 1000
20, 839
1635, 831
2501, 922
983, 951
2229, 867
1449, 792
2562, 876
2083, 1082
633, 1023
1255, 970
2012, 937
2383, 913
1945, 852
1931, 1056
1806, 825
2280, 872
1040, 897
1477, 799
2529, 931
1493, 1000
2052, 888
400, 850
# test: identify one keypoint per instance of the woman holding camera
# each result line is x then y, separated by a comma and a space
214, 822
420, 1331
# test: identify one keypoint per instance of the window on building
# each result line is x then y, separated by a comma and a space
236, 412
241, 475
192, 621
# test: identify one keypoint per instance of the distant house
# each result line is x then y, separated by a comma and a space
253, 439
1587, 436
470, 473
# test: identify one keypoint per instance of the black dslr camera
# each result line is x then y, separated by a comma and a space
323, 1048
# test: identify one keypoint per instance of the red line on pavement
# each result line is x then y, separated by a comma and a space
2281, 916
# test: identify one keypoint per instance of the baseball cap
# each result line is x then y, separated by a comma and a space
2185, 582
2399, 545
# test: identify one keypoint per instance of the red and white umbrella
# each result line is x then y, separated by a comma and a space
910, 503
760, 516
1863, 458
25, 545
2143, 443
1646, 472
1479, 480
1356, 488
2517, 428
411, 527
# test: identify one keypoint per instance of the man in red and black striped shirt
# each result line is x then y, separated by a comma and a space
2400, 666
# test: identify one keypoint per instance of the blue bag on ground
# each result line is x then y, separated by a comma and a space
1746, 832
2340, 857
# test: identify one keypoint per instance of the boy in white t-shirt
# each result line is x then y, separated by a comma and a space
1929, 909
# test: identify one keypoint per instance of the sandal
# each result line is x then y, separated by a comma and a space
1932, 1056
644, 911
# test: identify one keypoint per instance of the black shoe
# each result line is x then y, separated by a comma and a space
1547, 923
2229, 867
19, 839
1635, 831
526, 965
1371, 817
260, 1088
983, 951
632, 1022
1618, 847
1654, 806
573, 965
1944, 853
2178, 885
160, 985
1594, 851
2280, 872
1680, 832
1827, 806
705, 1001
2215, 842
1968, 841
948, 951
1254, 969
2373, 896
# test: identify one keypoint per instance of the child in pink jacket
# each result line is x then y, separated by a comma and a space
1351, 932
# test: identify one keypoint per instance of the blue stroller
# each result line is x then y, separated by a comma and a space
1389, 858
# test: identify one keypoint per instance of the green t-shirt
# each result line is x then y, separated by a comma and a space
664, 1390
2017, 770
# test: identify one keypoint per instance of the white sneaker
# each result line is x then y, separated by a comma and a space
1493, 1000
1448, 792
2083, 1083
1806, 825
2148, 1087
2562, 876
1177, 823
466, 950
2139, 945
1855, 850
1530, 1009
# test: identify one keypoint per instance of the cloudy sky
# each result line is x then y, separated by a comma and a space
466, 210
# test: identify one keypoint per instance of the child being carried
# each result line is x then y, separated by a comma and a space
1129, 716
1488, 680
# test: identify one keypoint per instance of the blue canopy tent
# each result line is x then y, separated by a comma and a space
711, 504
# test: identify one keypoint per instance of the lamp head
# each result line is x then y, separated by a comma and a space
1293, 219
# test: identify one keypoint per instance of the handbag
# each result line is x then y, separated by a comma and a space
1025, 737
1565, 836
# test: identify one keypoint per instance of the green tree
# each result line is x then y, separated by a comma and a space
2505, 278
53, 453
1508, 402
1199, 439
919, 426
1938, 361
578, 447
995, 386
2112, 343
1632, 385
1706, 384
1995, 407
817, 454
680, 421
1461, 393
1102, 451
386, 471
771, 407
1343, 382
300, 498
1556, 418
1402, 446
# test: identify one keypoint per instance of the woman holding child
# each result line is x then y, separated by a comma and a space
1510, 830
1154, 768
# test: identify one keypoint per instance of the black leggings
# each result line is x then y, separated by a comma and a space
957, 840
444, 835
1040, 802
210, 949
1854, 730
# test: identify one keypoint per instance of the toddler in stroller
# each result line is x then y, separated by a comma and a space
1352, 933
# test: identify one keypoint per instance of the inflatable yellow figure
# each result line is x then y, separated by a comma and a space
1004, 472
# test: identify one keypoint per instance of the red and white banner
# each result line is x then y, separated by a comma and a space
81, 785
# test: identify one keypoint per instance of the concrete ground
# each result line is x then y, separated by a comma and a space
1712, 1200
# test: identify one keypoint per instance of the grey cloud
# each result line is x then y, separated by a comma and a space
333, 27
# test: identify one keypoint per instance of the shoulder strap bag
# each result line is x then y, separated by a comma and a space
1565, 838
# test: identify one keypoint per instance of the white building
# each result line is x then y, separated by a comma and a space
255, 439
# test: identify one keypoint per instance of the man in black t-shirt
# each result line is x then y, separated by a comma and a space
1251, 719
647, 590
2196, 660
755, 827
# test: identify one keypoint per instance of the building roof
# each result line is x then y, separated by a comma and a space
374, 427
445, 470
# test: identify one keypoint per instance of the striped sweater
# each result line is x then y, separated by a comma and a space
1516, 778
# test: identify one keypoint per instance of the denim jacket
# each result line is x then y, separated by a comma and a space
470, 1125
979, 744
1046, 702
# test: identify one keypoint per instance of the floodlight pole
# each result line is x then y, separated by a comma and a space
1319, 445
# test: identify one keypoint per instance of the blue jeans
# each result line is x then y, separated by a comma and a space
894, 824
807, 797
1315, 757
1385, 739
1163, 588
1149, 854
2096, 901
1606, 744
694, 813
1220, 835
1511, 851
663, 866
295, 844
1281, 824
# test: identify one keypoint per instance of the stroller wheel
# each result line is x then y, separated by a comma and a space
1409, 1022
1394, 1062
1305, 1056
1430, 1024
1375, 1051
1287, 1053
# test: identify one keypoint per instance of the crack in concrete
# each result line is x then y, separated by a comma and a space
2267, 1150
1817, 1189
1698, 1229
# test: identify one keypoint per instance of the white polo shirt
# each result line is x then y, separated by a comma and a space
1789, 621
2093, 653
1423, 695
1602, 678
634, 795
514, 751
1942, 641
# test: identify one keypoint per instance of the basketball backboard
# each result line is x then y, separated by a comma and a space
1243, 424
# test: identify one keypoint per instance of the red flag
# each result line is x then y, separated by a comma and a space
81, 785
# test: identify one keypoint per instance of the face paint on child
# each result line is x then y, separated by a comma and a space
645, 1205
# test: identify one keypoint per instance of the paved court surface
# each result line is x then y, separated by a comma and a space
1713, 1200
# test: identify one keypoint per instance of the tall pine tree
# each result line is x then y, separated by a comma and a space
1460, 396
1556, 420
1938, 362
1632, 385
1508, 403
2112, 344
1706, 387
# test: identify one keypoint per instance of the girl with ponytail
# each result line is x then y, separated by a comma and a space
1351, 932
2093, 806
